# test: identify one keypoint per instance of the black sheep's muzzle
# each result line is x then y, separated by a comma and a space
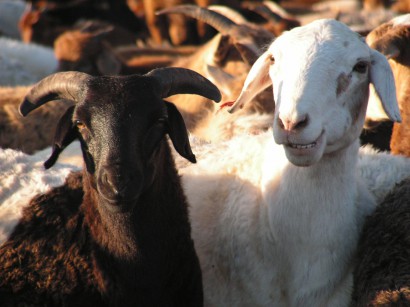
119, 187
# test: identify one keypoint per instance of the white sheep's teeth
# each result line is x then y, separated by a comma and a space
300, 146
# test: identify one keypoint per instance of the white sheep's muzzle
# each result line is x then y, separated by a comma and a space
305, 153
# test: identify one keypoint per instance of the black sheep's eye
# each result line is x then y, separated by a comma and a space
80, 125
361, 67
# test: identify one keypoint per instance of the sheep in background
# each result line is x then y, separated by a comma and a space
27, 134
350, 12
89, 50
382, 274
44, 21
24, 64
118, 233
21, 65
400, 6
178, 29
225, 60
392, 39
277, 224
277, 19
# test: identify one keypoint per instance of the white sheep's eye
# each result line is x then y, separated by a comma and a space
361, 67
272, 59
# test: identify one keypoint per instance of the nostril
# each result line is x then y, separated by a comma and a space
290, 125
281, 124
302, 123
105, 179
110, 182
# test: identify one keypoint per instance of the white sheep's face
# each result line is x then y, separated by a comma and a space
320, 74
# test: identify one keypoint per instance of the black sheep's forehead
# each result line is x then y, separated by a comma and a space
122, 101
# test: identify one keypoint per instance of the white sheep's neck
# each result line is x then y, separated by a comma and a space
290, 246
309, 213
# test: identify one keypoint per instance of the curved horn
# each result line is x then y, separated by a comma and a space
175, 80
267, 13
219, 22
70, 85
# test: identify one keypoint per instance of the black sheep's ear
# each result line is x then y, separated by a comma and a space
178, 133
65, 134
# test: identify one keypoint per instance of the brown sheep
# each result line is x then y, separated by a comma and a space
27, 134
393, 39
43, 22
88, 50
178, 29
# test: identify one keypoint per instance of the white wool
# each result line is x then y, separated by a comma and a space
381, 171
22, 177
228, 157
223, 125
24, 64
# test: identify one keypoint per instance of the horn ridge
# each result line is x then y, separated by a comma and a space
177, 80
69, 85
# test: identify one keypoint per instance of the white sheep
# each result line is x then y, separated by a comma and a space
24, 64
276, 220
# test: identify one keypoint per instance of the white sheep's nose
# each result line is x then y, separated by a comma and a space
293, 124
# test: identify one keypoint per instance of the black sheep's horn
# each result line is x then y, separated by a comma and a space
176, 80
221, 23
69, 85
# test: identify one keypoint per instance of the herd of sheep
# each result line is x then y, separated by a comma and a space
204, 153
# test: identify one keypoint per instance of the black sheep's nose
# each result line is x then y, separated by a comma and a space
115, 181
118, 182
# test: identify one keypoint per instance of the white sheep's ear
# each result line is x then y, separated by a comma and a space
382, 86
257, 80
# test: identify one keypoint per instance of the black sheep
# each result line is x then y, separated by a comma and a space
118, 233
382, 274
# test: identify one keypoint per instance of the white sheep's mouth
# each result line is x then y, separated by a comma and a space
298, 149
302, 146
